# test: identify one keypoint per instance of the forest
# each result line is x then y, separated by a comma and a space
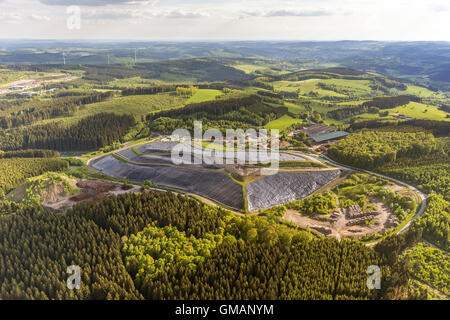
34, 111
431, 266
24, 168
90, 133
438, 128
29, 153
374, 148
232, 113
435, 222
253, 257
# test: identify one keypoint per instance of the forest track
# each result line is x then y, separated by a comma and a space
422, 195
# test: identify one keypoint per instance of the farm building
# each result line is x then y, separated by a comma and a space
330, 136
318, 129
17, 87
322, 133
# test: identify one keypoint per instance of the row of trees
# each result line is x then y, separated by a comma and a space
40, 110
390, 102
148, 90
438, 128
29, 153
186, 91
89, 133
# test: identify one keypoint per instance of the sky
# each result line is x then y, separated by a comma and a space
404, 20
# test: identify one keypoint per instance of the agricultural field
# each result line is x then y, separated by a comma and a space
136, 105
282, 123
204, 95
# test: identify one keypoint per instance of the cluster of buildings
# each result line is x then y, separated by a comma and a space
321, 133
21, 88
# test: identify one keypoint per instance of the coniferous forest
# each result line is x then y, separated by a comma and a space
250, 260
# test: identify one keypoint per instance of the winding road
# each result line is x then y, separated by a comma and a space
422, 195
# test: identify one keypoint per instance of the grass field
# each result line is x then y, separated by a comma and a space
420, 91
249, 68
282, 123
204, 95
419, 110
138, 106
294, 108
412, 110
310, 85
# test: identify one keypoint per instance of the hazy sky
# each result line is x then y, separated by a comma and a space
229, 19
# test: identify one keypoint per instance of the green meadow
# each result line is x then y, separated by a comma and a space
282, 123
204, 95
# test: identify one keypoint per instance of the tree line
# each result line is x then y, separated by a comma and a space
438, 128
89, 133
57, 107
29, 153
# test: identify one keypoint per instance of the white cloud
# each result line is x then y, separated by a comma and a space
10, 17
232, 19
182, 14
95, 3
39, 17
133, 14
288, 13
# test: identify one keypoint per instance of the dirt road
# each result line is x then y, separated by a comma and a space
422, 195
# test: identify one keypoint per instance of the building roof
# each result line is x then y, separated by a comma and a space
318, 129
330, 136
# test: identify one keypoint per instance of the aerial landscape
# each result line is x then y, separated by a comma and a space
338, 162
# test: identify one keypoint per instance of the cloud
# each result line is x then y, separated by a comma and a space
95, 3
39, 18
133, 14
183, 14
287, 13
440, 7
111, 14
10, 17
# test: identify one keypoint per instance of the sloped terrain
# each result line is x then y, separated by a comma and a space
214, 185
285, 187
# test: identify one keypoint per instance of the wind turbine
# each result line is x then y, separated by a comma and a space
108, 58
64, 57
135, 57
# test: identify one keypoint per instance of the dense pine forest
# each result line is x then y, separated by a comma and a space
371, 149
252, 259
33, 111
15, 170
90, 133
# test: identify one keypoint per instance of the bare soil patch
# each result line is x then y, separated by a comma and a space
89, 190
338, 225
